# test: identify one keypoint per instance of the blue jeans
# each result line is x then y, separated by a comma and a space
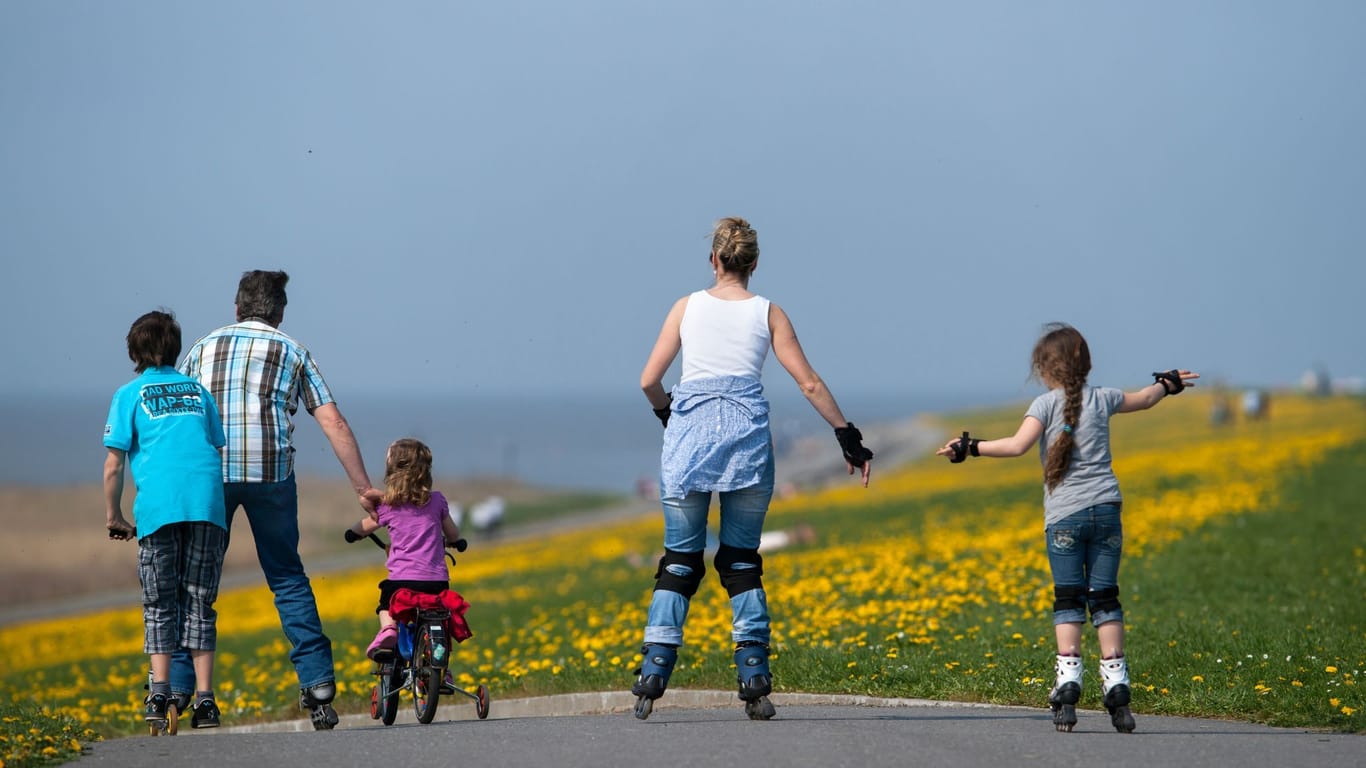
1083, 551
685, 530
273, 513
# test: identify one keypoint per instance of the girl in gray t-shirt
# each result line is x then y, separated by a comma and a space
1082, 530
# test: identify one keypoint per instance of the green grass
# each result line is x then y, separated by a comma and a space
32, 736
1270, 599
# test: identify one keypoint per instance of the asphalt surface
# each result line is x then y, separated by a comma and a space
707, 728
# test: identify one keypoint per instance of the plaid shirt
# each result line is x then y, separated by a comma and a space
258, 376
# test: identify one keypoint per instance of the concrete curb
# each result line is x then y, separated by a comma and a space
457, 708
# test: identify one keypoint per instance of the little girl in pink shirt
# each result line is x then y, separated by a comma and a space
419, 524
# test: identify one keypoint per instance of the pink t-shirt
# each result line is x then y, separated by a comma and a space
417, 546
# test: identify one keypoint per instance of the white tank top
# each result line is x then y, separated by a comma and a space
724, 338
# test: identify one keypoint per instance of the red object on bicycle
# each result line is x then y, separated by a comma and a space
405, 604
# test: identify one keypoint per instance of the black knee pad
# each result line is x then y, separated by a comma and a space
1069, 598
680, 572
1105, 600
738, 579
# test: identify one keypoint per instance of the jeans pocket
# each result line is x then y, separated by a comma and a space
1062, 541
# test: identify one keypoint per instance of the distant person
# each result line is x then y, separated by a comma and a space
717, 440
488, 514
166, 427
420, 527
1082, 528
1256, 404
259, 376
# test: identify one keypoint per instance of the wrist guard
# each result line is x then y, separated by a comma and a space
663, 413
1170, 380
851, 444
965, 445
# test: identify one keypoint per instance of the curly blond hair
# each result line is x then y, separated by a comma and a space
408, 473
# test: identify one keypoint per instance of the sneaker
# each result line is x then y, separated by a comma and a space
384, 644
205, 714
447, 684
157, 704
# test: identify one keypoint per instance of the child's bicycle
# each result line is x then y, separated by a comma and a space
425, 636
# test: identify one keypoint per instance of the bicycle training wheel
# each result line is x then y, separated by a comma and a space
426, 678
481, 702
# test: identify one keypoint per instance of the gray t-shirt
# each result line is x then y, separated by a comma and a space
1089, 480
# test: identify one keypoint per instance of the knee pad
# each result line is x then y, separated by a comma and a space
740, 569
680, 572
1069, 598
1105, 600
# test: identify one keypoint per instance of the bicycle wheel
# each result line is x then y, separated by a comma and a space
426, 678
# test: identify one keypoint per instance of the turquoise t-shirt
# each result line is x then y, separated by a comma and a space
170, 428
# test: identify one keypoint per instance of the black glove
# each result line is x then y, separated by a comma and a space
851, 443
458, 545
663, 413
352, 537
1170, 381
963, 447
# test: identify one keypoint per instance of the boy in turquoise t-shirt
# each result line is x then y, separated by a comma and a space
166, 427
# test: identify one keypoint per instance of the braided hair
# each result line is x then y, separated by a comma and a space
1062, 358
736, 245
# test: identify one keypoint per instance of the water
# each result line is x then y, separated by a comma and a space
602, 443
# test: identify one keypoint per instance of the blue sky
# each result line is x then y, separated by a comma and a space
507, 197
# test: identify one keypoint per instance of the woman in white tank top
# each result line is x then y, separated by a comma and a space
716, 440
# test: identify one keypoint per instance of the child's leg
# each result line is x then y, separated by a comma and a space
1064, 540
386, 619
1068, 636
158, 561
203, 672
161, 667
1111, 636
203, 546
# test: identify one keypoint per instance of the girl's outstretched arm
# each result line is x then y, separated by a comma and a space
1143, 399
1004, 447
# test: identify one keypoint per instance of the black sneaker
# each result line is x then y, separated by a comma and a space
156, 707
205, 714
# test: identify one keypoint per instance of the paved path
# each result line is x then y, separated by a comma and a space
707, 728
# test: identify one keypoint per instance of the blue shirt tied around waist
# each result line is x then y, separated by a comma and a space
718, 437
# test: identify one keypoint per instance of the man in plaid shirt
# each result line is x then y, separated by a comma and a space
259, 376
